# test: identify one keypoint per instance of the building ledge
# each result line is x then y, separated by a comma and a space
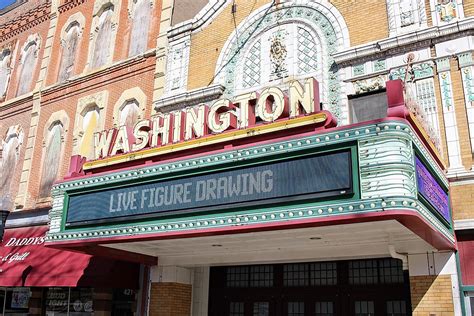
463, 224
193, 97
434, 34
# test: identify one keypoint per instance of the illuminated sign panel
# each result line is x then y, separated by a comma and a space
429, 188
324, 175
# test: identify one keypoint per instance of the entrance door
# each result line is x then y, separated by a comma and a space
346, 288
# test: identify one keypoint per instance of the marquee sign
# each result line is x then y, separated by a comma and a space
429, 188
324, 175
242, 112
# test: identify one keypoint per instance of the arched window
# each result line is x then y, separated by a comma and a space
104, 37
4, 71
129, 113
69, 44
51, 159
140, 26
28, 62
90, 123
10, 153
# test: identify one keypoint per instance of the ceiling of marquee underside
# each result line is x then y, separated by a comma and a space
306, 244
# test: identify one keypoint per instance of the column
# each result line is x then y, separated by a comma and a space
170, 291
434, 284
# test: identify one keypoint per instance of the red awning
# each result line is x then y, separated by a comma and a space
25, 261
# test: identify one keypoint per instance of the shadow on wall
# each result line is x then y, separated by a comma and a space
433, 293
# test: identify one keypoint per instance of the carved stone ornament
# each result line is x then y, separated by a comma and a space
371, 84
278, 55
446, 10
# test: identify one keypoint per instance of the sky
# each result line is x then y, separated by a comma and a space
4, 3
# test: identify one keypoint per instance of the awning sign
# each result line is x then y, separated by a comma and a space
324, 175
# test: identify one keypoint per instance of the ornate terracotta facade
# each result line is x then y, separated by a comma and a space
70, 69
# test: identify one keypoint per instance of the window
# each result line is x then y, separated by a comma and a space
425, 95
4, 71
296, 274
237, 277
28, 62
10, 153
391, 271
324, 309
51, 159
364, 308
69, 45
129, 113
90, 123
261, 276
261, 309
236, 309
103, 39
396, 308
253, 276
140, 26
62, 301
363, 272
383, 271
323, 273
313, 274
296, 309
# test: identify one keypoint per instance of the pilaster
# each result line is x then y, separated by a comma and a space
449, 115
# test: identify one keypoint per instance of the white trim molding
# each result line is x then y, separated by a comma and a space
463, 224
434, 34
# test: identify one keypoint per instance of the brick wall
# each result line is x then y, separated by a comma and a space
468, 7
210, 40
361, 28
461, 199
170, 299
431, 295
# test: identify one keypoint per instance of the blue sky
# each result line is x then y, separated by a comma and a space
4, 3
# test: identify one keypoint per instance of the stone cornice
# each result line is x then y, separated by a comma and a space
22, 99
190, 98
25, 22
425, 37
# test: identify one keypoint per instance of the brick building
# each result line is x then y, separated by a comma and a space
181, 159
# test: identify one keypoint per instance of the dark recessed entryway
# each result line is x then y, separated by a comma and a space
344, 288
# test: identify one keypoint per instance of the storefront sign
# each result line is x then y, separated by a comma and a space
13, 243
429, 188
323, 175
241, 112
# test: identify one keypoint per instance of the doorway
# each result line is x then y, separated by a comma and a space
358, 287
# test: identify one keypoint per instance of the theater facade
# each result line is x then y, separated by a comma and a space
237, 158
281, 213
